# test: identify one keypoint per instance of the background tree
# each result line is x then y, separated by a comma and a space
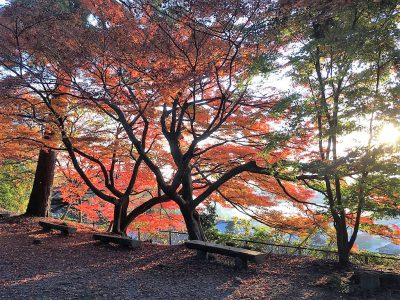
15, 181
28, 123
342, 62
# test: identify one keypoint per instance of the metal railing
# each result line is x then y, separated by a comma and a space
170, 236
300, 250
267, 247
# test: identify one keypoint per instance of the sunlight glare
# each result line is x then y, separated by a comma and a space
389, 134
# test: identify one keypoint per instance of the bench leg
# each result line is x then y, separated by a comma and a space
46, 229
202, 255
240, 263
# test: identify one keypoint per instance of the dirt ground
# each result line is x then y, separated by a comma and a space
39, 265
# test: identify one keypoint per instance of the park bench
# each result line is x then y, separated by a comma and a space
5, 215
116, 239
242, 256
64, 228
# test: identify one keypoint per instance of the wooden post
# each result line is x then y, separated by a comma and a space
170, 237
110, 226
80, 212
138, 233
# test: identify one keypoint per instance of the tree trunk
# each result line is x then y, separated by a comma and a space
343, 246
116, 227
344, 255
193, 224
120, 214
39, 201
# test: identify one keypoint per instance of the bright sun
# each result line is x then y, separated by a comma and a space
389, 134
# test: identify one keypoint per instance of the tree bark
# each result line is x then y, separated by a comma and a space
39, 201
343, 246
120, 214
344, 255
193, 224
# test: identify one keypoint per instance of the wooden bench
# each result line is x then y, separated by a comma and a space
65, 229
5, 215
242, 256
116, 239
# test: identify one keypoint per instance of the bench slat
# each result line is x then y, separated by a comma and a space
63, 228
250, 255
125, 241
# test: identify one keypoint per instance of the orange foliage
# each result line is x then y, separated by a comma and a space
149, 104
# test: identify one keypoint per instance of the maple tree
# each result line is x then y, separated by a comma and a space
162, 89
203, 102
